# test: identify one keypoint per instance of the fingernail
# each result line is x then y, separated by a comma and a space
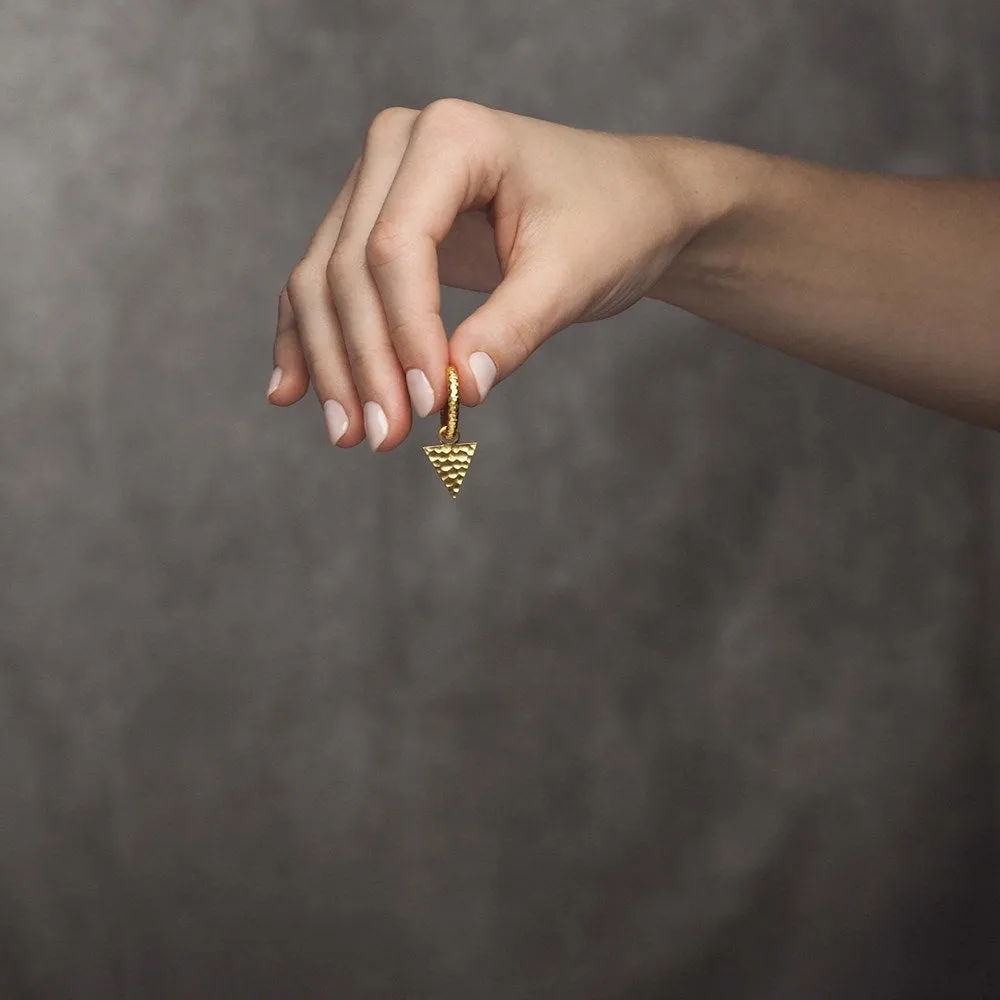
376, 426
336, 419
275, 381
421, 393
485, 371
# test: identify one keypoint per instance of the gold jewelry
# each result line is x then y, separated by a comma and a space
450, 459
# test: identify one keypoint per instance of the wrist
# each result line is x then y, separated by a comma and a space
716, 185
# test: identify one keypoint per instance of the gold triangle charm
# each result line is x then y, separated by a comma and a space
451, 462
450, 459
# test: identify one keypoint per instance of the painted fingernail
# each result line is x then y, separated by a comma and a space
376, 426
421, 393
275, 381
485, 371
336, 419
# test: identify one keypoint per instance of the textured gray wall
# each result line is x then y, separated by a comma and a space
689, 695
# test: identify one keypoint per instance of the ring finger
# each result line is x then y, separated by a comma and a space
319, 328
378, 375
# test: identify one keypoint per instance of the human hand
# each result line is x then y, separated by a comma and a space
562, 225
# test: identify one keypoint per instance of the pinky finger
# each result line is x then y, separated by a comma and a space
290, 378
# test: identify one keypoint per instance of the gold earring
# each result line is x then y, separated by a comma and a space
450, 459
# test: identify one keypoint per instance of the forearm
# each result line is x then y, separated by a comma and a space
891, 281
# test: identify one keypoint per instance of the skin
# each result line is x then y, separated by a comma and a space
891, 281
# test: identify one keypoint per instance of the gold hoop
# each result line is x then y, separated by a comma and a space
450, 459
448, 431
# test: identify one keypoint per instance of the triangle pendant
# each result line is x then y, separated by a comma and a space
451, 462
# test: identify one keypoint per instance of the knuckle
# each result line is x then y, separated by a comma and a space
450, 112
386, 243
406, 329
313, 363
451, 126
301, 280
309, 357
388, 123
323, 370
340, 265
363, 359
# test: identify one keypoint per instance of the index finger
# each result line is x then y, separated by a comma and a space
452, 164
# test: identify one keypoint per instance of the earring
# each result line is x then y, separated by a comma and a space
450, 459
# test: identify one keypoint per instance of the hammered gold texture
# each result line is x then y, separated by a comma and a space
449, 412
451, 462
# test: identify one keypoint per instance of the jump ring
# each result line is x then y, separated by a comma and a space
448, 431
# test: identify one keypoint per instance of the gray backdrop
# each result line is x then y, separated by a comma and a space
689, 694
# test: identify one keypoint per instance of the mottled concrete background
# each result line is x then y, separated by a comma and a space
689, 695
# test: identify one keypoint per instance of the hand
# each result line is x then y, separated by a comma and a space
561, 225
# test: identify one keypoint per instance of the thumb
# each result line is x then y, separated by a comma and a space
526, 308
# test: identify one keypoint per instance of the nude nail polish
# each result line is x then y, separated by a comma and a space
421, 393
336, 419
376, 424
484, 370
275, 381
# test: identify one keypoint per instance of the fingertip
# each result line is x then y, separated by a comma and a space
478, 364
386, 428
484, 370
290, 377
525, 309
286, 386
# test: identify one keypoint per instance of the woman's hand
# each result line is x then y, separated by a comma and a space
562, 225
